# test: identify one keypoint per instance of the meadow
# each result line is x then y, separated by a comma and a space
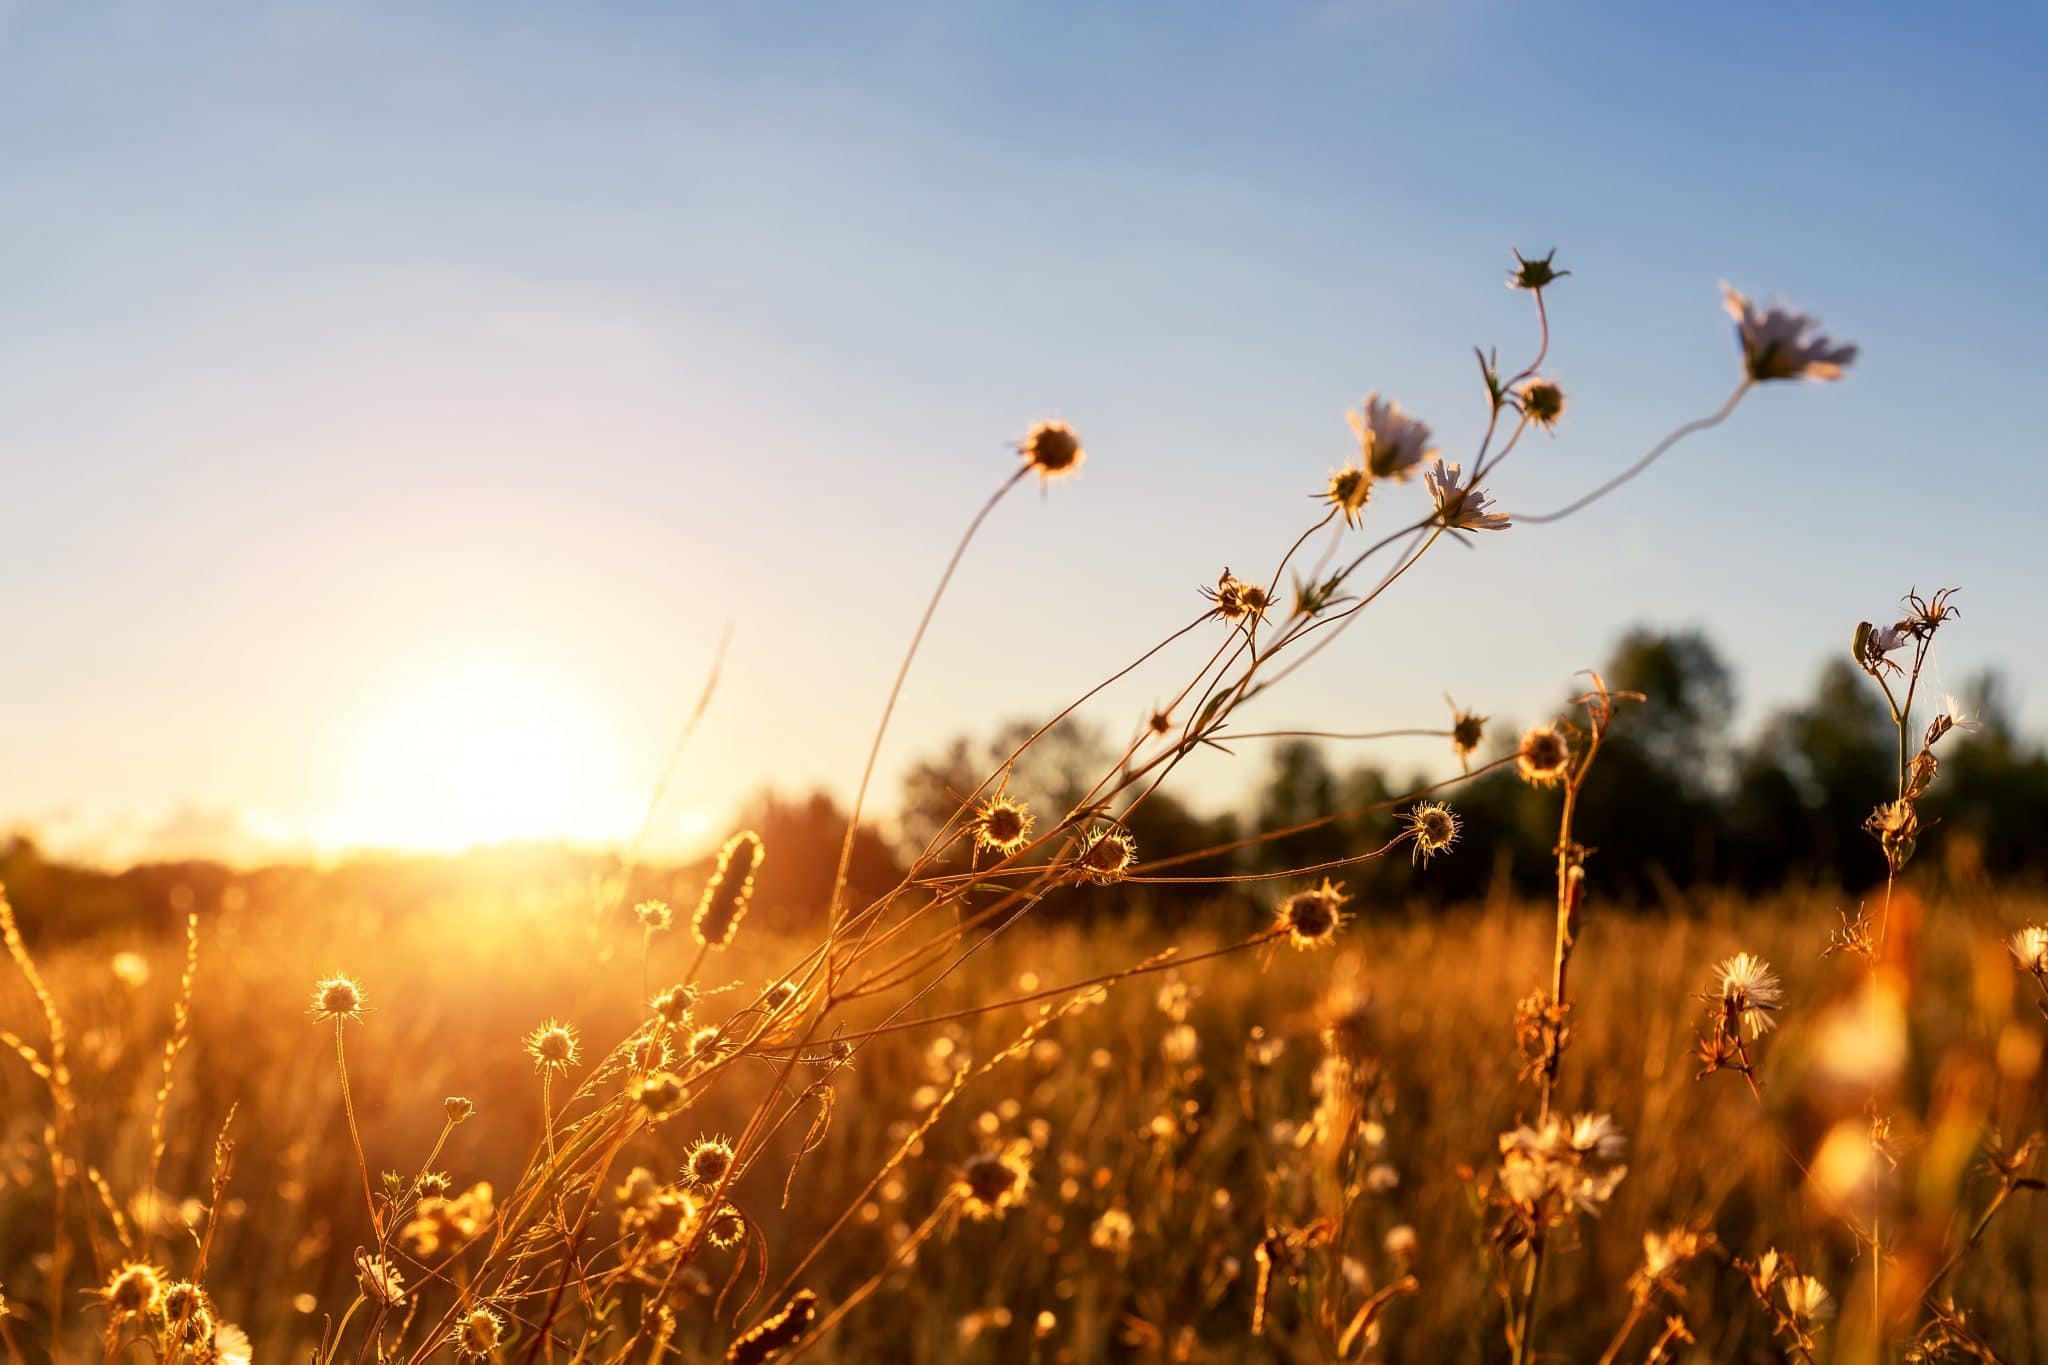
632, 1114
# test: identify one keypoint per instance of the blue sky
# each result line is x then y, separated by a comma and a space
364, 360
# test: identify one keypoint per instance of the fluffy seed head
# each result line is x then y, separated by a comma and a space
2030, 949
1052, 449
1750, 992
1807, 1299
185, 1308
660, 1092
134, 1289
1544, 756
675, 1003
337, 997
1107, 857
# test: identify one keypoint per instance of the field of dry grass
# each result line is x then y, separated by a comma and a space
1171, 1125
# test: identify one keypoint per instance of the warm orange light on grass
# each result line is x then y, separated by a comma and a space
481, 754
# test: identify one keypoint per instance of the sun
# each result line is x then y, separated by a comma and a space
480, 753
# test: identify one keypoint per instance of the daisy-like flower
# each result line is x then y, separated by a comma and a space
1461, 508
1002, 825
2030, 949
1782, 343
1391, 444
337, 997
1807, 1299
1434, 827
552, 1046
1750, 992
1348, 490
1312, 918
1543, 756
1052, 449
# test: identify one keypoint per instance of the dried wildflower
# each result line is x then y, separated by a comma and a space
187, 1312
1896, 826
431, 1185
1112, 1231
992, 1183
457, 1108
1002, 825
654, 915
2030, 949
133, 1290
725, 1227
1391, 444
1348, 490
1807, 1299
231, 1345
1776, 343
1312, 918
1237, 600
1542, 402
1461, 508
1467, 730
552, 1046
1750, 993
707, 1161
337, 997
726, 896
776, 1334
648, 1053
1433, 828
674, 1004
1052, 449
477, 1334
378, 1279
660, 1092
1544, 756
1533, 273
1666, 1253
445, 1225
1557, 1169
1107, 856
704, 1041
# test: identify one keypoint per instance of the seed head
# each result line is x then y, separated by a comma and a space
2030, 949
1807, 1299
707, 1161
1002, 825
1467, 730
1750, 993
992, 1183
1543, 403
1052, 449
725, 1226
337, 997
1237, 600
378, 1279
660, 1092
674, 1004
458, 1108
186, 1311
478, 1334
1312, 918
1535, 273
1107, 857
654, 915
1348, 491
552, 1047
1544, 756
725, 898
1433, 827
134, 1290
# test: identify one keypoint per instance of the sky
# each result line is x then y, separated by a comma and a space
398, 401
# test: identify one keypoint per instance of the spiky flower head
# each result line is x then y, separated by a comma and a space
1781, 342
1750, 992
1237, 600
1052, 449
1002, 825
337, 997
1543, 403
654, 915
2030, 949
673, 1005
1391, 444
1107, 856
458, 1108
650, 1052
1534, 273
707, 1161
1348, 491
1461, 507
187, 1312
660, 1092
1433, 827
725, 1226
730, 888
477, 1334
1467, 730
1312, 918
133, 1290
1543, 756
704, 1041
552, 1046
992, 1183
